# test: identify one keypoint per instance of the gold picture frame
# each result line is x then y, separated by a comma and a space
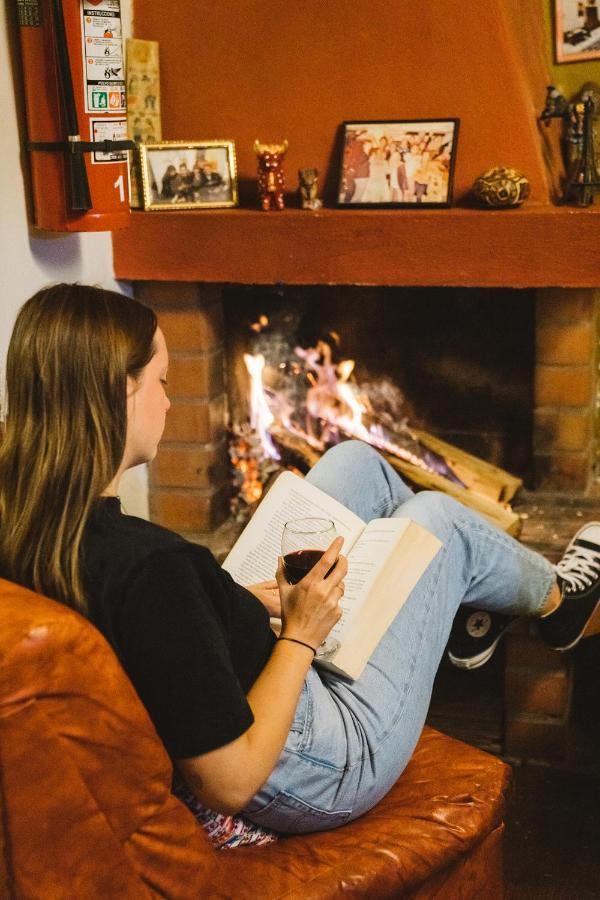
189, 175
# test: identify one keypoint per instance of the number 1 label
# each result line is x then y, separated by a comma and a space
119, 185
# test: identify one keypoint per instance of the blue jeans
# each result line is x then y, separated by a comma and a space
350, 741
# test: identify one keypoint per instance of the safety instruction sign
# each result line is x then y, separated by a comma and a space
103, 61
108, 130
28, 12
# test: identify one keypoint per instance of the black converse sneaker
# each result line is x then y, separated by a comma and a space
475, 635
578, 575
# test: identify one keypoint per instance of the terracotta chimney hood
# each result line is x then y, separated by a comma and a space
273, 70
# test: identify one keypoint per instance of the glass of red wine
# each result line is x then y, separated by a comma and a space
303, 543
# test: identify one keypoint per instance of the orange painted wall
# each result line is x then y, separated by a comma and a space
251, 69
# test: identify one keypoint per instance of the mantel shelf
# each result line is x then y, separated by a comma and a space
536, 245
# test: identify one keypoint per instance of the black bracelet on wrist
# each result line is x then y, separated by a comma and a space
282, 637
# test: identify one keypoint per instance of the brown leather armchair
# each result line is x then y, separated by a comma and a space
86, 809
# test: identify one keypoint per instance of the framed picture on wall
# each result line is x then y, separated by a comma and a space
189, 175
577, 30
404, 163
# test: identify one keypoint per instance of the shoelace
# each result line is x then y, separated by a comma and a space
579, 568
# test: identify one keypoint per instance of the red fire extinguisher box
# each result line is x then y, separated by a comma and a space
76, 106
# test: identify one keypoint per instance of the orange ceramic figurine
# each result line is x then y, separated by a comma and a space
270, 174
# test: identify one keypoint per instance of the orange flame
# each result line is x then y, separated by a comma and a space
261, 417
332, 400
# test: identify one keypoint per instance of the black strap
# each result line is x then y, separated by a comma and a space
80, 199
81, 146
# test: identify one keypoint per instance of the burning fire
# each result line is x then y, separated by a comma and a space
319, 401
246, 465
261, 417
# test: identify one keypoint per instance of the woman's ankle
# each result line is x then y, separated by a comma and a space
552, 602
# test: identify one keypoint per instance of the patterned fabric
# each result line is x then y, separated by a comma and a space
224, 832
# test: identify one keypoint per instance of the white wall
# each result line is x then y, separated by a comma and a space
30, 260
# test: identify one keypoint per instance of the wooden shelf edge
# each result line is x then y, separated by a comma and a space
537, 245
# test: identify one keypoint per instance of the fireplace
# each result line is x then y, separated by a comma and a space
322, 65
508, 375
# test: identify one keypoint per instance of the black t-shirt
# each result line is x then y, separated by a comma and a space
191, 640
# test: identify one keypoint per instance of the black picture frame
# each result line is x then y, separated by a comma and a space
428, 146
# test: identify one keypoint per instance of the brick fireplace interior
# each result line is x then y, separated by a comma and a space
508, 375
462, 374
488, 320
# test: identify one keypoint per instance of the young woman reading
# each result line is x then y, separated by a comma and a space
251, 725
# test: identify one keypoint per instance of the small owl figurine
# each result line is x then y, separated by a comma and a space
308, 188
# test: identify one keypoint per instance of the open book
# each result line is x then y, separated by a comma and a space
386, 558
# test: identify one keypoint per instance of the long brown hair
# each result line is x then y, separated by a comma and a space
63, 441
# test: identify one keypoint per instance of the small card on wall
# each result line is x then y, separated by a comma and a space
143, 104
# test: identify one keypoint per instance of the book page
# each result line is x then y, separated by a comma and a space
365, 560
255, 553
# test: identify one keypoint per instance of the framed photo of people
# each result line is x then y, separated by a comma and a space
398, 164
189, 175
577, 30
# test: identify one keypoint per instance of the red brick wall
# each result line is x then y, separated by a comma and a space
189, 481
538, 688
565, 389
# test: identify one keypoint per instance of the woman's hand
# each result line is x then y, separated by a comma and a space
226, 779
268, 594
310, 609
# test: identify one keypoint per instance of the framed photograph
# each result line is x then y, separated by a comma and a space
577, 30
189, 175
406, 163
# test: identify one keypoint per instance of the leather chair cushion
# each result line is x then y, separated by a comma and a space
87, 808
86, 782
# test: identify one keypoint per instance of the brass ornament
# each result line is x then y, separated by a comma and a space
501, 187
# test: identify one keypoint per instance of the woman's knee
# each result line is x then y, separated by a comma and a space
353, 453
350, 459
357, 474
354, 473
